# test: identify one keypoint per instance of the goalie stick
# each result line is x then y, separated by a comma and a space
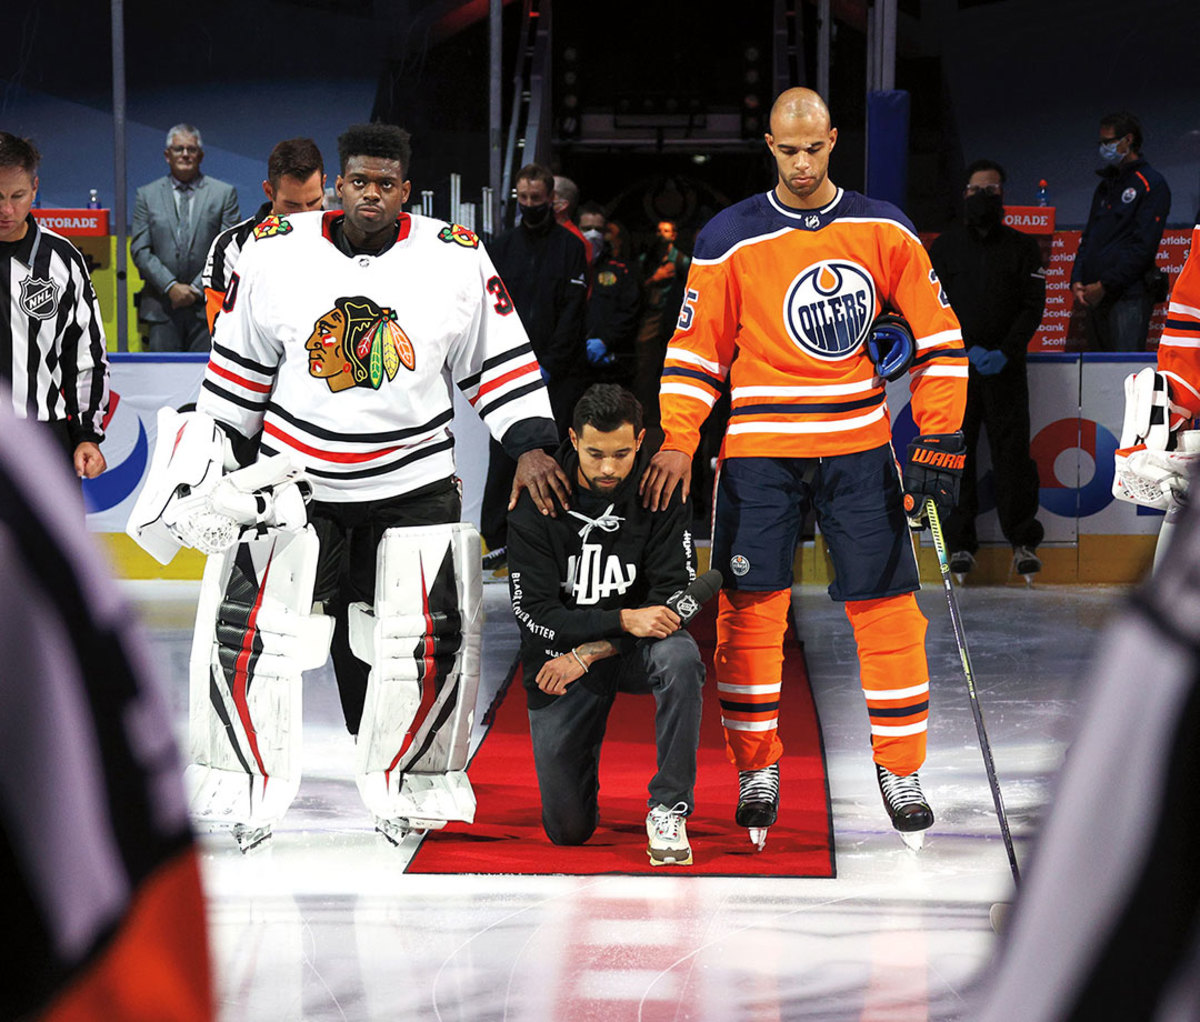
939, 543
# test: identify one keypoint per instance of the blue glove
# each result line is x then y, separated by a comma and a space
598, 353
987, 362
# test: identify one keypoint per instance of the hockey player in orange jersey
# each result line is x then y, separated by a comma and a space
791, 283
1157, 453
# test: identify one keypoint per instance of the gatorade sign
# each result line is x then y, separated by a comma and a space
74, 222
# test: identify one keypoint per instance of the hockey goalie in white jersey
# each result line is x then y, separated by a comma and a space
339, 339
1156, 454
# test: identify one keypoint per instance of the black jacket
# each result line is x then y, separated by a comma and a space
1124, 228
569, 577
995, 283
546, 276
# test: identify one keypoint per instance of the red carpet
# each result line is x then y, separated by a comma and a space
507, 835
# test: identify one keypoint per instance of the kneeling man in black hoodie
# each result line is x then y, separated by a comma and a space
589, 589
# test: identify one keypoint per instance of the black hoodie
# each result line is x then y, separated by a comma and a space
571, 576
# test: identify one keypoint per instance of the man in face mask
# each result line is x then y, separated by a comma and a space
613, 306
1114, 276
994, 280
544, 267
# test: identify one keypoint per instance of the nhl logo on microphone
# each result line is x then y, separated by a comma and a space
39, 298
687, 607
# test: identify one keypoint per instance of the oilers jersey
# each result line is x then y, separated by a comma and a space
781, 301
345, 362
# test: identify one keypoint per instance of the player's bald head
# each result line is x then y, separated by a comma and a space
799, 105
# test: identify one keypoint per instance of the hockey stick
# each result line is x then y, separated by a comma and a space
939, 543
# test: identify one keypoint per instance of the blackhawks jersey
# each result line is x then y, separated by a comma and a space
345, 362
792, 294
1179, 347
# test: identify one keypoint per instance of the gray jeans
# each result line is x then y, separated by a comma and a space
568, 733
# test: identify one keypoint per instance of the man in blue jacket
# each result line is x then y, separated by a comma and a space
590, 590
1114, 274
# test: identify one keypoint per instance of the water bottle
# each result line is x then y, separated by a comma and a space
94, 199
1043, 195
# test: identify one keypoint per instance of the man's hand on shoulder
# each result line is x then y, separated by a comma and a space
544, 478
650, 622
667, 469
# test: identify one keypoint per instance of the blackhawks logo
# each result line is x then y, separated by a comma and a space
459, 235
272, 226
358, 344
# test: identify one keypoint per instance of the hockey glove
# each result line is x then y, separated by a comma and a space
890, 345
935, 468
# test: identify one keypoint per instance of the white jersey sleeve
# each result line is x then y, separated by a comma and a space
245, 355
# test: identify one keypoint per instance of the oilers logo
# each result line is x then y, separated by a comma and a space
829, 308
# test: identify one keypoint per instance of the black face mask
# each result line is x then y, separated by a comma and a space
983, 210
536, 217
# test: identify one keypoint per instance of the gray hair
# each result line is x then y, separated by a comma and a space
185, 129
567, 190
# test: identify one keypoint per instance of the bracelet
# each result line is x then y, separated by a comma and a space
579, 660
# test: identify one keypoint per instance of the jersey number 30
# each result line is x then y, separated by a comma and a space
503, 304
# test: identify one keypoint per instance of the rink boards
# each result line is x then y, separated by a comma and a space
1076, 407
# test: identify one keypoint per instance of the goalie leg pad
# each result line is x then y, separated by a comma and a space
253, 639
422, 640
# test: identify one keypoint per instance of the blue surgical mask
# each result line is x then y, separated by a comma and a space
1109, 154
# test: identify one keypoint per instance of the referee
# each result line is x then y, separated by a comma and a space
52, 349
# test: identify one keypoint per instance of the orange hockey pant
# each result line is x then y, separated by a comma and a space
890, 634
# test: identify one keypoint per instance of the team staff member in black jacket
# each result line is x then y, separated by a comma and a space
53, 361
995, 282
589, 591
612, 315
544, 267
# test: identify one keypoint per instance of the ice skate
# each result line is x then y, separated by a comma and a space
906, 805
1026, 562
961, 563
758, 802
667, 833
250, 837
395, 829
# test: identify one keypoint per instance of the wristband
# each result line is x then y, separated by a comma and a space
579, 660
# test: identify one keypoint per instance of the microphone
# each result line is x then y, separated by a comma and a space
687, 602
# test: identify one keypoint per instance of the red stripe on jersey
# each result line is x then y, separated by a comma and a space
241, 381
499, 381
346, 458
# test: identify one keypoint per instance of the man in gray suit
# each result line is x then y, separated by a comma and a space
174, 221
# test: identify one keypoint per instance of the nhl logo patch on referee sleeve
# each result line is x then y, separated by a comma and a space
39, 298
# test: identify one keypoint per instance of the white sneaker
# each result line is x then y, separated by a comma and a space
667, 831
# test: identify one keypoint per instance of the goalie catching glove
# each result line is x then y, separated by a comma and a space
935, 468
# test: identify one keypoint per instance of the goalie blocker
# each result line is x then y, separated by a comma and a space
255, 635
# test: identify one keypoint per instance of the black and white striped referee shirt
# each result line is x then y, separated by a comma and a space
222, 258
52, 347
